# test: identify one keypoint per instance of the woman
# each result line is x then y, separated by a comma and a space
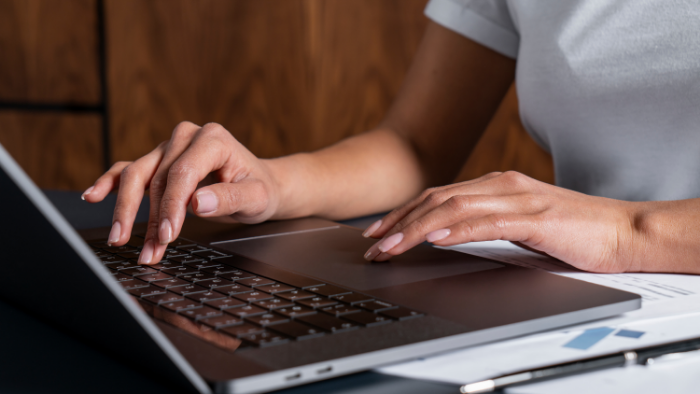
612, 89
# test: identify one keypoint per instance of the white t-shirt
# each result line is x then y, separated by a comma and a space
610, 88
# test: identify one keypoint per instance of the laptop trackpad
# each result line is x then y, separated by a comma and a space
335, 255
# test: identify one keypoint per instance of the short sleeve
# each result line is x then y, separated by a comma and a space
487, 22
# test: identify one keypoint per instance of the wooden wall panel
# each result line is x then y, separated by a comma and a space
58, 151
48, 51
282, 76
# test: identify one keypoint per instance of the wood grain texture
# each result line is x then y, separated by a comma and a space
58, 151
506, 145
48, 51
282, 76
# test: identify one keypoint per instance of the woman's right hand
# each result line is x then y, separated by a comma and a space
202, 167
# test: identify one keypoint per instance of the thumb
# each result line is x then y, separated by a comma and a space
246, 201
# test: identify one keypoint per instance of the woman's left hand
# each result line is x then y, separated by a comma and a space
591, 233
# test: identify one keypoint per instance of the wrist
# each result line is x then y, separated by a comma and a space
289, 181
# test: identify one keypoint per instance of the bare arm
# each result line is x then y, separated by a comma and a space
451, 92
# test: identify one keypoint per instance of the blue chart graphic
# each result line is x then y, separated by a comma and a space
629, 334
594, 335
589, 338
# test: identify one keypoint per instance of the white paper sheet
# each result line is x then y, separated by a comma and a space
670, 311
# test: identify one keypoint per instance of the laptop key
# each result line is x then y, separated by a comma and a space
185, 259
275, 288
181, 305
253, 296
181, 242
296, 295
242, 329
138, 270
317, 302
177, 271
211, 255
200, 313
206, 296
327, 290
218, 269
119, 277
375, 306
327, 322
197, 276
132, 284
353, 298
121, 265
340, 310
155, 276
130, 256
274, 303
111, 259
193, 248
119, 249
265, 339
188, 289
221, 321
173, 253
245, 311
367, 319
252, 282
267, 319
136, 242
234, 289
164, 264
235, 275
401, 313
297, 330
146, 291
215, 282
295, 311
164, 297
172, 282
225, 303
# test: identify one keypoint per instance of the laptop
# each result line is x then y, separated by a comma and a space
250, 309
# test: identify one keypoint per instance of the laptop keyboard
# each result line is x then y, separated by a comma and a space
207, 288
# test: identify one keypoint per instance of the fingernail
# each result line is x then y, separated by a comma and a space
165, 233
206, 202
437, 235
86, 192
371, 229
390, 242
382, 257
371, 253
115, 233
146, 254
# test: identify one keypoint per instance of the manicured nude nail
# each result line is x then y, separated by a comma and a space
207, 202
437, 235
115, 233
388, 243
165, 232
146, 254
371, 253
382, 257
88, 191
371, 229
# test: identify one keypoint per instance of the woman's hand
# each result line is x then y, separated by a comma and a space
590, 233
205, 167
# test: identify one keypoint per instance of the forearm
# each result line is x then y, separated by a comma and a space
666, 236
368, 173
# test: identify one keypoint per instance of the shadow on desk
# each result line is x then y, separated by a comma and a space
37, 358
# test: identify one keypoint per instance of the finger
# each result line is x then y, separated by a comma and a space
207, 153
429, 198
134, 179
434, 224
182, 136
104, 184
244, 201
